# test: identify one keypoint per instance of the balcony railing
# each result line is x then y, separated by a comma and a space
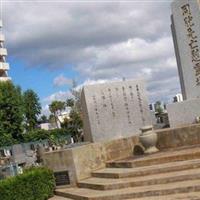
5, 79
2, 38
3, 52
4, 66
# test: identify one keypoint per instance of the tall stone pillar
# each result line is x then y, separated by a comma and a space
186, 34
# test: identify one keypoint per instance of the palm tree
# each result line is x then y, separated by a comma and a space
56, 107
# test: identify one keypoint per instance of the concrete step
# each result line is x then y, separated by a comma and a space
59, 198
110, 184
147, 170
125, 193
158, 158
185, 196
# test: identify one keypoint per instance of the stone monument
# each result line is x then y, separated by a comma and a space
114, 110
186, 35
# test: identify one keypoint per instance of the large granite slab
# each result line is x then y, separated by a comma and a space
186, 35
114, 110
183, 113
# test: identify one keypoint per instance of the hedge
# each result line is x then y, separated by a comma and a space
40, 134
33, 184
55, 136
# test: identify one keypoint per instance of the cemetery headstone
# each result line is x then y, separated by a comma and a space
18, 154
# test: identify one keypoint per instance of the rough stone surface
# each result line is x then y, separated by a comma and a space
81, 161
185, 196
61, 160
183, 113
146, 170
114, 110
178, 137
113, 183
186, 35
171, 155
137, 192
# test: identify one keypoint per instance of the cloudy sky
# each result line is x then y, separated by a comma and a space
52, 42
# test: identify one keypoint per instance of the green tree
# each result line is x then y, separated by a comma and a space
11, 113
74, 123
56, 107
158, 107
76, 97
43, 119
32, 109
70, 102
52, 119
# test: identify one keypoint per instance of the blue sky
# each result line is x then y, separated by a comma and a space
38, 78
41, 80
52, 42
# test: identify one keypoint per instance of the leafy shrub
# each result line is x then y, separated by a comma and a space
33, 184
35, 135
54, 136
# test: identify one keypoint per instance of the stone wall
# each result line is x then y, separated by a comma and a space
81, 161
61, 161
177, 137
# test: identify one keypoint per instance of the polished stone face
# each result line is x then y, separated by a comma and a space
186, 35
114, 110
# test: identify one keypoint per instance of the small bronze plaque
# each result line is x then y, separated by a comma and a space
62, 178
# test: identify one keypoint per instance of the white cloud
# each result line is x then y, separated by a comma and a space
59, 96
53, 34
128, 58
62, 80
100, 40
93, 82
45, 110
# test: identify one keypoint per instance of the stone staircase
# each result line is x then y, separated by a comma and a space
168, 175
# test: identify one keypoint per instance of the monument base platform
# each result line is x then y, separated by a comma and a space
183, 113
79, 162
168, 175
